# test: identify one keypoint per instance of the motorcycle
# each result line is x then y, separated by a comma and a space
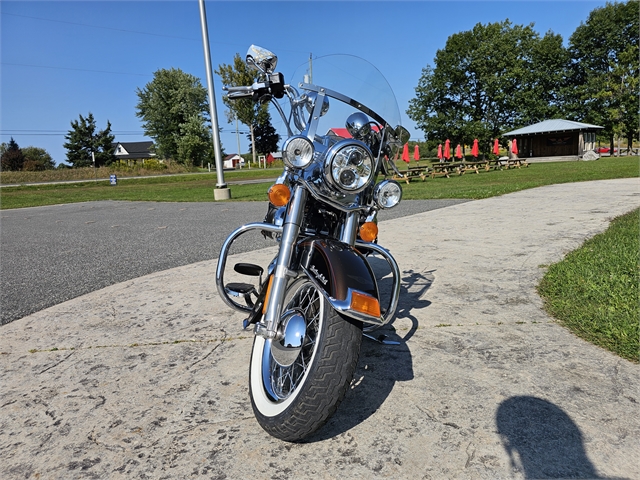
320, 295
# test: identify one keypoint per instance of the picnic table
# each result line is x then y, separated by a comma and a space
413, 172
475, 165
446, 168
507, 163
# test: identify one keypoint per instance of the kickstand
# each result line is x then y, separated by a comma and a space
382, 338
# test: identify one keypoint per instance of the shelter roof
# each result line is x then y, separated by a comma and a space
550, 126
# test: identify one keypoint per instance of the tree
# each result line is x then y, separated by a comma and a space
83, 140
245, 110
265, 136
193, 142
167, 104
36, 159
12, 157
488, 79
605, 69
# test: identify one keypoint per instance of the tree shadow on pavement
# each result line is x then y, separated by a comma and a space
380, 366
541, 439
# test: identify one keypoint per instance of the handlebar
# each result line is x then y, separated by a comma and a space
273, 85
240, 92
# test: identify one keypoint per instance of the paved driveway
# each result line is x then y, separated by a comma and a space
56, 253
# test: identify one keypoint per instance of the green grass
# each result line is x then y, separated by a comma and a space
594, 290
199, 187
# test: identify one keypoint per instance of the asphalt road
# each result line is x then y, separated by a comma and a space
52, 254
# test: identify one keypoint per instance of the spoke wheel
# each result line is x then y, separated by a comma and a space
295, 386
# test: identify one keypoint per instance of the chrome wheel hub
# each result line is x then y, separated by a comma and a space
286, 347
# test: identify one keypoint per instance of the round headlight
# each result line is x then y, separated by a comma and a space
297, 152
387, 194
349, 166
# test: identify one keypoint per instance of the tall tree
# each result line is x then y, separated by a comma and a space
168, 105
488, 79
605, 69
12, 157
245, 110
83, 140
36, 158
194, 142
265, 136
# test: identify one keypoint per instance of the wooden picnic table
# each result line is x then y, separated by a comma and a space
446, 168
475, 165
413, 172
508, 163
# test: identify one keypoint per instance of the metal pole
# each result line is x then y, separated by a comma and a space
212, 101
95, 173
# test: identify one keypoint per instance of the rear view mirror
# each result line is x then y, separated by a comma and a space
262, 59
402, 134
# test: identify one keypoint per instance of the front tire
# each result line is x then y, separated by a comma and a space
291, 402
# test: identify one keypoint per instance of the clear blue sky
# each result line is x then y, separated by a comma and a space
62, 59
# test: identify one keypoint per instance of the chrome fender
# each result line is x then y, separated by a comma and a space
339, 270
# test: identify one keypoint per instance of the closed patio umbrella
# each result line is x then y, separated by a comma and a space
475, 151
440, 151
447, 149
458, 152
514, 147
496, 147
416, 153
405, 153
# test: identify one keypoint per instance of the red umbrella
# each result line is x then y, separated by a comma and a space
496, 147
447, 149
475, 151
405, 153
458, 152
416, 153
440, 151
514, 147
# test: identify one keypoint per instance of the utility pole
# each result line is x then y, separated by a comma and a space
95, 174
221, 192
238, 139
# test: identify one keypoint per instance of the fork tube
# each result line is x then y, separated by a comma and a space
350, 228
291, 230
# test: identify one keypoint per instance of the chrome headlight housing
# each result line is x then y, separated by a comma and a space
387, 194
297, 152
349, 166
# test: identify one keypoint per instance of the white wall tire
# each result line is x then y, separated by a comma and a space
291, 403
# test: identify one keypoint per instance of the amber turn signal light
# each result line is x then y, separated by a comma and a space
365, 304
266, 297
369, 231
279, 195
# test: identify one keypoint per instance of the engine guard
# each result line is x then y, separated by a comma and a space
339, 270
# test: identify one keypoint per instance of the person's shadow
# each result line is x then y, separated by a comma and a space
541, 439
380, 366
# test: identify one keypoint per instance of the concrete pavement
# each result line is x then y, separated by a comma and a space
148, 378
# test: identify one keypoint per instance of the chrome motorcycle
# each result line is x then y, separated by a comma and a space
320, 293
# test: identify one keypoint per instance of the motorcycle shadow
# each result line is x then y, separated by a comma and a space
380, 366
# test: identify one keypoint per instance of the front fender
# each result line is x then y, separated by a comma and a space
338, 270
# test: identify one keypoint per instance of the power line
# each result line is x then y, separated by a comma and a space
134, 31
75, 69
103, 28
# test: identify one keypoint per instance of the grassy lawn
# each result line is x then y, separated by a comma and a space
199, 187
594, 290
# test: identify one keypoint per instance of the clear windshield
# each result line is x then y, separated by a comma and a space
353, 77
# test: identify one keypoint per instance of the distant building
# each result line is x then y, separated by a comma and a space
232, 161
555, 138
133, 151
